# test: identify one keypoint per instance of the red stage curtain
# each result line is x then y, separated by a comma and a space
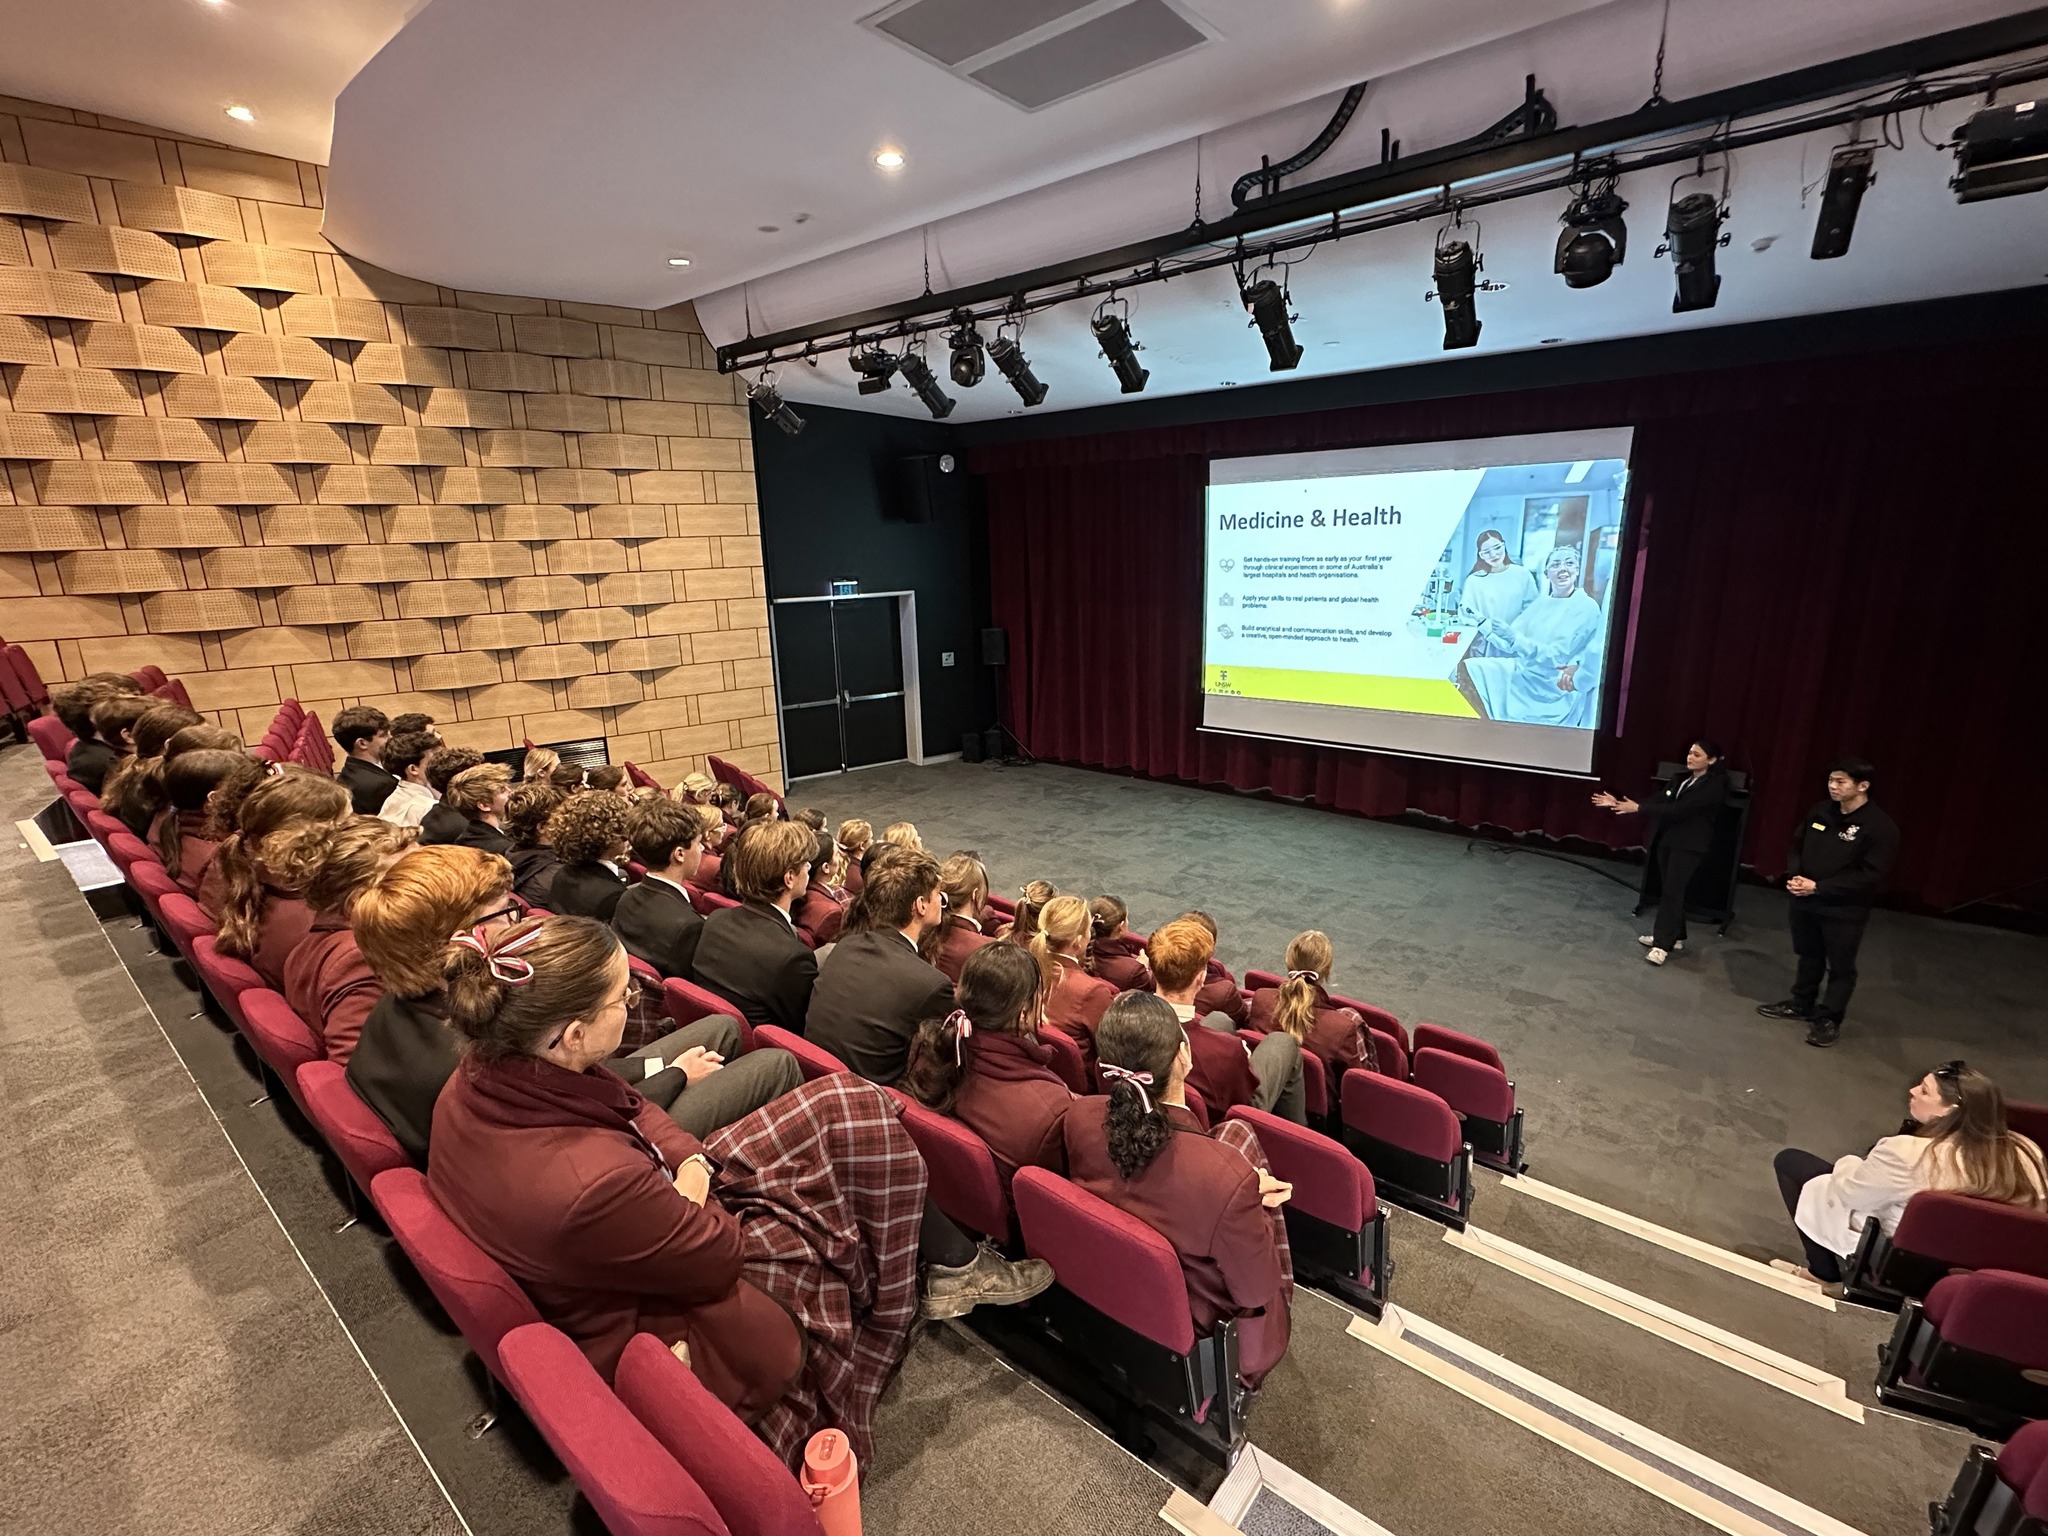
1847, 555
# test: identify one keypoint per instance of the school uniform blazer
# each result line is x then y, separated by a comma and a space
1682, 814
1222, 1073
443, 824
872, 993
533, 875
368, 784
656, 923
195, 853
1219, 994
1078, 1001
1203, 1198
821, 914
1338, 1036
1013, 1100
961, 937
331, 986
1121, 962
586, 889
751, 956
404, 1054
480, 834
282, 928
89, 762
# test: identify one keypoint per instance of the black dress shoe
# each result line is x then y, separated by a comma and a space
1785, 1010
1824, 1032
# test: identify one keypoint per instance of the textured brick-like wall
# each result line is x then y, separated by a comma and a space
229, 449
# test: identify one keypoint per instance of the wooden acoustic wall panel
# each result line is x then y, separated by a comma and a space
213, 398
158, 440
77, 391
337, 400
331, 319
381, 562
180, 527
313, 526
342, 483
258, 567
236, 265
47, 528
594, 624
429, 525
178, 210
239, 485
394, 637
115, 252
200, 306
45, 194
150, 348
57, 295
328, 605
36, 437
568, 413
172, 613
456, 669
121, 570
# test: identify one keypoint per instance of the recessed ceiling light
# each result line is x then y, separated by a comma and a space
679, 261
240, 113
889, 159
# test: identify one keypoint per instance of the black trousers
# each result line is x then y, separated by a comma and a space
1675, 869
1795, 1169
1826, 940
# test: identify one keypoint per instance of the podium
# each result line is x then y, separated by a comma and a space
1711, 896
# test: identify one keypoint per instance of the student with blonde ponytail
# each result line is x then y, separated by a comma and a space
1031, 900
1074, 1000
1302, 1008
964, 879
1209, 1194
258, 878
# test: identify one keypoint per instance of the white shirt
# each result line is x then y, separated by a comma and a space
663, 880
408, 804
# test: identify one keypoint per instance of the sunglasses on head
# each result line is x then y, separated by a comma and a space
1950, 1071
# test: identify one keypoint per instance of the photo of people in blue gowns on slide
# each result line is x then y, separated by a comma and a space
1528, 575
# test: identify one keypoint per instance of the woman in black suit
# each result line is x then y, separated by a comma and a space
1682, 815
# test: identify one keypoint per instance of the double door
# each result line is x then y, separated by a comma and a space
840, 673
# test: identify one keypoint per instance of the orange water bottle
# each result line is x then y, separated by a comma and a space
832, 1479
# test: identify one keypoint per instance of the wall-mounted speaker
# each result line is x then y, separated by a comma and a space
995, 647
910, 487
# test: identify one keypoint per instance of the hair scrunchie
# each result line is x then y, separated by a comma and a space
1312, 977
503, 960
1138, 1080
963, 1029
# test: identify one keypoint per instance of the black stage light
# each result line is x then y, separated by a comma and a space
1009, 356
918, 375
1692, 233
1594, 240
969, 364
1267, 301
1113, 335
2002, 151
1457, 283
875, 367
1849, 175
768, 400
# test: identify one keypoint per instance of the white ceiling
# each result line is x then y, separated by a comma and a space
178, 63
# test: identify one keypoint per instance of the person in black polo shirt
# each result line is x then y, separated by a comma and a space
1840, 855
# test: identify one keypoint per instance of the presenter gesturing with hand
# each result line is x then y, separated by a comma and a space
1683, 813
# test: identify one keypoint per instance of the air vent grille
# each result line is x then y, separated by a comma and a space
1034, 53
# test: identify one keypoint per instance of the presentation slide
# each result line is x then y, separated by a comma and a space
1450, 600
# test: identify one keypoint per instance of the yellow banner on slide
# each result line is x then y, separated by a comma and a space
1403, 695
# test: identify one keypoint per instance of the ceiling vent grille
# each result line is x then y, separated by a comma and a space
1033, 53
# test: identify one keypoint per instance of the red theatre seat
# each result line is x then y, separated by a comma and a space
708, 902
1377, 1018
351, 1129
1482, 1098
472, 1287
1412, 1142
1067, 1059
2030, 1120
1999, 1492
1938, 1234
151, 676
148, 880
127, 851
1335, 1226
965, 1182
285, 1041
52, 737
755, 1494
182, 919
103, 827
636, 1487
815, 1060
685, 1003
30, 679
1974, 1352
225, 977
1435, 1037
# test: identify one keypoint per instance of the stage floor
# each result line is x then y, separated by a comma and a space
1657, 1091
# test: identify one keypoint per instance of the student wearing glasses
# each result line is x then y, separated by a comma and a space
1955, 1138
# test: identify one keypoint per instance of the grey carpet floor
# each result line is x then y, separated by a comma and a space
1658, 1091
169, 1364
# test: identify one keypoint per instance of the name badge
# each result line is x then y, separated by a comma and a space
1820, 826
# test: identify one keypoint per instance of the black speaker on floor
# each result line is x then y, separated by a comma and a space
970, 747
995, 647
992, 742
908, 489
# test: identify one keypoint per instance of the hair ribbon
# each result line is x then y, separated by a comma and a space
1314, 978
1138, 1080
963, 1029
504, 961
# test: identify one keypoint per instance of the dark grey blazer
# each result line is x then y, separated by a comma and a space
657, 924
872, 994
751, 956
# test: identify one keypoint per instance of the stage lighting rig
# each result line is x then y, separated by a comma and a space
1849, 176
1458, 283
1268, 301
969, 363
1595, 240
875, 367
1007, 351
1113, 334
1692, 234
2002, 151
768, 400
918, 375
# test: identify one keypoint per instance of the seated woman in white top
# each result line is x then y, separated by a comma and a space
1955, 1139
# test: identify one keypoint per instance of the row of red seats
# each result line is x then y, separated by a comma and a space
296, 736
657, 1453
1999, 1493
